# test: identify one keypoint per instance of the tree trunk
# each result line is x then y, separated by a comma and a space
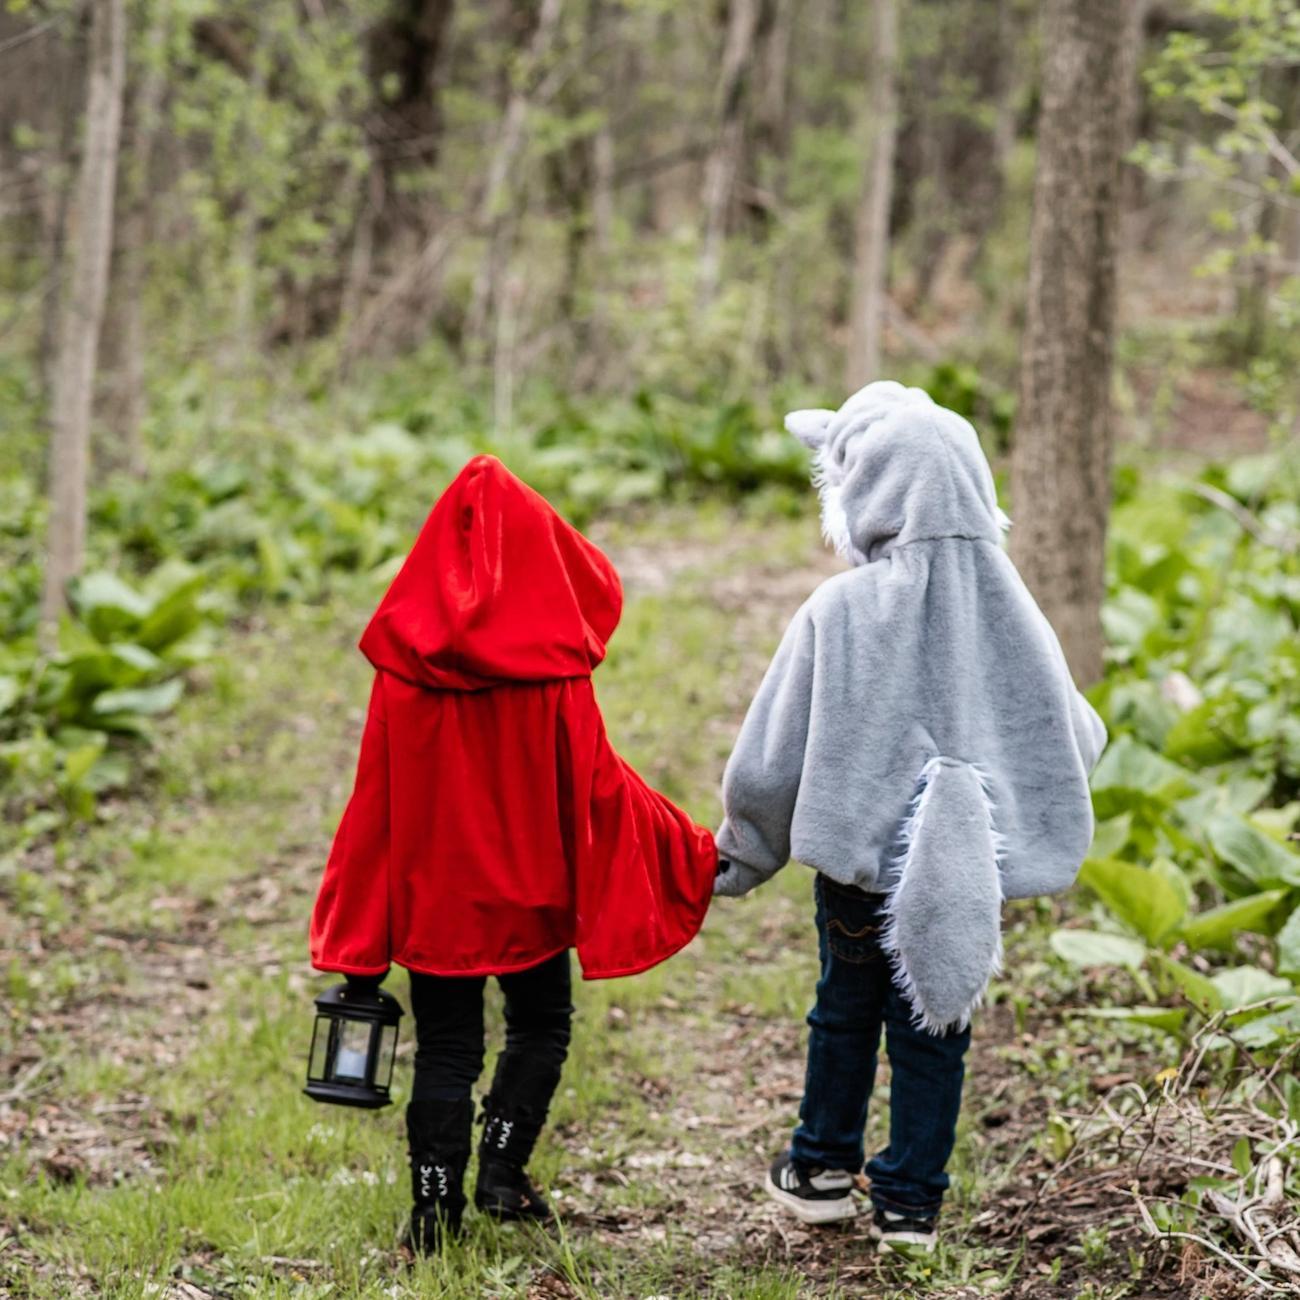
772, 145
871, 236
56, 237
1132, 50
772, 124
1061, 457
407, 54
496, 211
723, 164
83, 309
123, 346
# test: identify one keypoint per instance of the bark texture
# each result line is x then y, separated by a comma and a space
871, 236
498, 207
1061, 458
722, 167
83, 310
124, 342
407, 54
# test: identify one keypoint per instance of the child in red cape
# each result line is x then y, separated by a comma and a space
492, 828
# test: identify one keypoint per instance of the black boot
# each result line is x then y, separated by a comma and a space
440, 1134
504, 1190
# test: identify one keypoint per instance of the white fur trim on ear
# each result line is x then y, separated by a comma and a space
1004, 520
809, 426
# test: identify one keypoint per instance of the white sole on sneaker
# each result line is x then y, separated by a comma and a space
900, 1243
836, 1211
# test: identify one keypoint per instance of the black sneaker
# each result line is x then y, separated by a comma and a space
897, 1234
811, 1194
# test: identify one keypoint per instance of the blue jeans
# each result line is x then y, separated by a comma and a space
856, 997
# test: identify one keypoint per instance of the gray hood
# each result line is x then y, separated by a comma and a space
894, 468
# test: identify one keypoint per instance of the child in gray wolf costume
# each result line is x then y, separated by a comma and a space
918, 742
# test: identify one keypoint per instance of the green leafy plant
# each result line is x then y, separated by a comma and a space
1197, 794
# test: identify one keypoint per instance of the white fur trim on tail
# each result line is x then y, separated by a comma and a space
889, 939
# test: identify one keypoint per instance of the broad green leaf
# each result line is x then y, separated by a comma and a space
1242, 792
1170, 1019
1256, 855
1097, 948
127, 724
1239, 986
1237, 792
110, 771
107, 606
135, 657
1273, 1029
275, 567
1140, 898
1132, 766
1214, 928
1111, 836
1198, 989
74, 638
149, 700
10, 690
1277, 822
1138, 708
1249, 477
1128, 616
1167, 869
175, 616
1288, 945
86, 676
78, 762
1204, 736
1242, 1161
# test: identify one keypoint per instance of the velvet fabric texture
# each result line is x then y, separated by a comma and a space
492, 824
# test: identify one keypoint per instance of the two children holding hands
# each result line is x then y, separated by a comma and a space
917, 741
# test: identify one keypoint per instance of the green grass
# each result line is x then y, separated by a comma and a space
213, 1170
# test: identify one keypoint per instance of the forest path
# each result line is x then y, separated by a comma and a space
156, 1141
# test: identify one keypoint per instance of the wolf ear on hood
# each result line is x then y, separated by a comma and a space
809, 426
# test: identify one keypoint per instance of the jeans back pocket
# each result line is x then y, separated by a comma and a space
851, 920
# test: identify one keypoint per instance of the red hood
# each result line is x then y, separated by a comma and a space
497, 588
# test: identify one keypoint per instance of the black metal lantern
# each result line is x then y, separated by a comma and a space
352, 1046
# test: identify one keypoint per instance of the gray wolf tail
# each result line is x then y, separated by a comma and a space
944, 933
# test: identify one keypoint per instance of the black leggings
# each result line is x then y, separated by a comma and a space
449, 1045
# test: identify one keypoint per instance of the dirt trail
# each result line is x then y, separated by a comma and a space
717, 1127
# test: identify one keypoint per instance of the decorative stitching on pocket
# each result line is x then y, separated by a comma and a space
834, 923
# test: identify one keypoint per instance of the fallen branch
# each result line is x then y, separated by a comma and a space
25, 1084
1150, 1224
1279, 539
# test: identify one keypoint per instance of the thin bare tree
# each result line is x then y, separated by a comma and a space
497, 214
867, 304
83, 308
722, 166
122, 353
1061, 457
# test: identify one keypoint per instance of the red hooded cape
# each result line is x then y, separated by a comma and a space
492, 824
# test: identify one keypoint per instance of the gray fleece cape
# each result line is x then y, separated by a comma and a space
918, 733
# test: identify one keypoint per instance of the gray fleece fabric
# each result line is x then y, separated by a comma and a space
918, 732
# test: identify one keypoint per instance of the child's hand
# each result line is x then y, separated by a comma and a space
720, 876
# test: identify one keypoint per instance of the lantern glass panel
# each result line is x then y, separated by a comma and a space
320, 1041
353, 1049
384, 1061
